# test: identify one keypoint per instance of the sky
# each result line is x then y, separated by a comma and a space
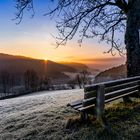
34, 37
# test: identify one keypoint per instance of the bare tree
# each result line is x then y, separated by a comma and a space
31, 80
12, 79
47, 82
98, 18
4, 80
72, 83
79, 81
84, 76
27, 80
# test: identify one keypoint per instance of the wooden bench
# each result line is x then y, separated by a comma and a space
97, 95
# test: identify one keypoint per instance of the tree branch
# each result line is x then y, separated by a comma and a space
89, 18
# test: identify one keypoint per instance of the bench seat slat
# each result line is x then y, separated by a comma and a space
78, 106
75, 103
86, 108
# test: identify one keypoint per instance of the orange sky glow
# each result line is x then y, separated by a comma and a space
44, 49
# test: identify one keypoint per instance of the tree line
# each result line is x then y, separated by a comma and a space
30, 81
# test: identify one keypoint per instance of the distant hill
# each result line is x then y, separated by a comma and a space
77, 66
56, 70
80, 67
9, 56
111, 74
19, 64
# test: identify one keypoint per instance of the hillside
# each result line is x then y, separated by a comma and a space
56, 70
81, 66
17, 65
111, 74
9, 56
75, 65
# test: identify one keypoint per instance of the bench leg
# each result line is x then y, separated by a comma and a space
84, 116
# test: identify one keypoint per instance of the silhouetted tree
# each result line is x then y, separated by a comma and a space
27, 80
12, 82
84, 77
47, 83
72, 83
31, 80
4, 80
41, 83
79, 81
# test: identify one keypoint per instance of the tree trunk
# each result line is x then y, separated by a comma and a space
132, 39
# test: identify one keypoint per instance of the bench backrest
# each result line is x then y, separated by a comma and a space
109, 91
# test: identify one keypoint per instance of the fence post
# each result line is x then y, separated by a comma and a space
100, 104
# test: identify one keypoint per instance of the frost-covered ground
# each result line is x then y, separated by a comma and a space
31, 115
37, 101
43, 116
